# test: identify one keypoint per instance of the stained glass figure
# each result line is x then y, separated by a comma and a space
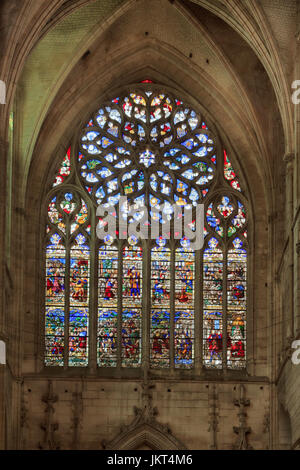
54, 302
79, 302
64, 169
236, 305
184, 306
213, 221
131, 305
107, 337
230, 174
108, 305
213, 305
160, 301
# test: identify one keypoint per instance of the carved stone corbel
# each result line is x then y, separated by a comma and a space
213, 416
49, 427
144, 427
242, 430
266, 427
76, 419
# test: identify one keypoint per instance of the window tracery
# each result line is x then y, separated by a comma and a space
151, 147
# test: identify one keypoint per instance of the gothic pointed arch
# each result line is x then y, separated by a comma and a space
148, 158
151, 435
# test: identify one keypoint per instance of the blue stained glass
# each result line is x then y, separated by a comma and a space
147, 158
190, 174
237, 243
113, 130
193, 121
203, 180
100, 194
189, 144
115, 115
123, 163
184, 334
90, 135
160, 318
91, 164
194, 196
105, 142
112, 185
171, 152
90, 177
104, 172
101, 119
202, 152
171, 165
202, 137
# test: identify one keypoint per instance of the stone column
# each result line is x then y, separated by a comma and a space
296, 214
288, 314
297, 290
288, 160
2, 397
3, 157
2, 407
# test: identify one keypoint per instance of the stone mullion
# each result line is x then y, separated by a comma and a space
198, 310
146, 307
172, 305
120, 305
93, 304
146, 290
67, 294
224, 306
297, 198
289, 159
297, 291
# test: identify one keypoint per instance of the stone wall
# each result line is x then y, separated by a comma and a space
89, 414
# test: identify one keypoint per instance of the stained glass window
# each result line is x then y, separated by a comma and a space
135, 299
67, 280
